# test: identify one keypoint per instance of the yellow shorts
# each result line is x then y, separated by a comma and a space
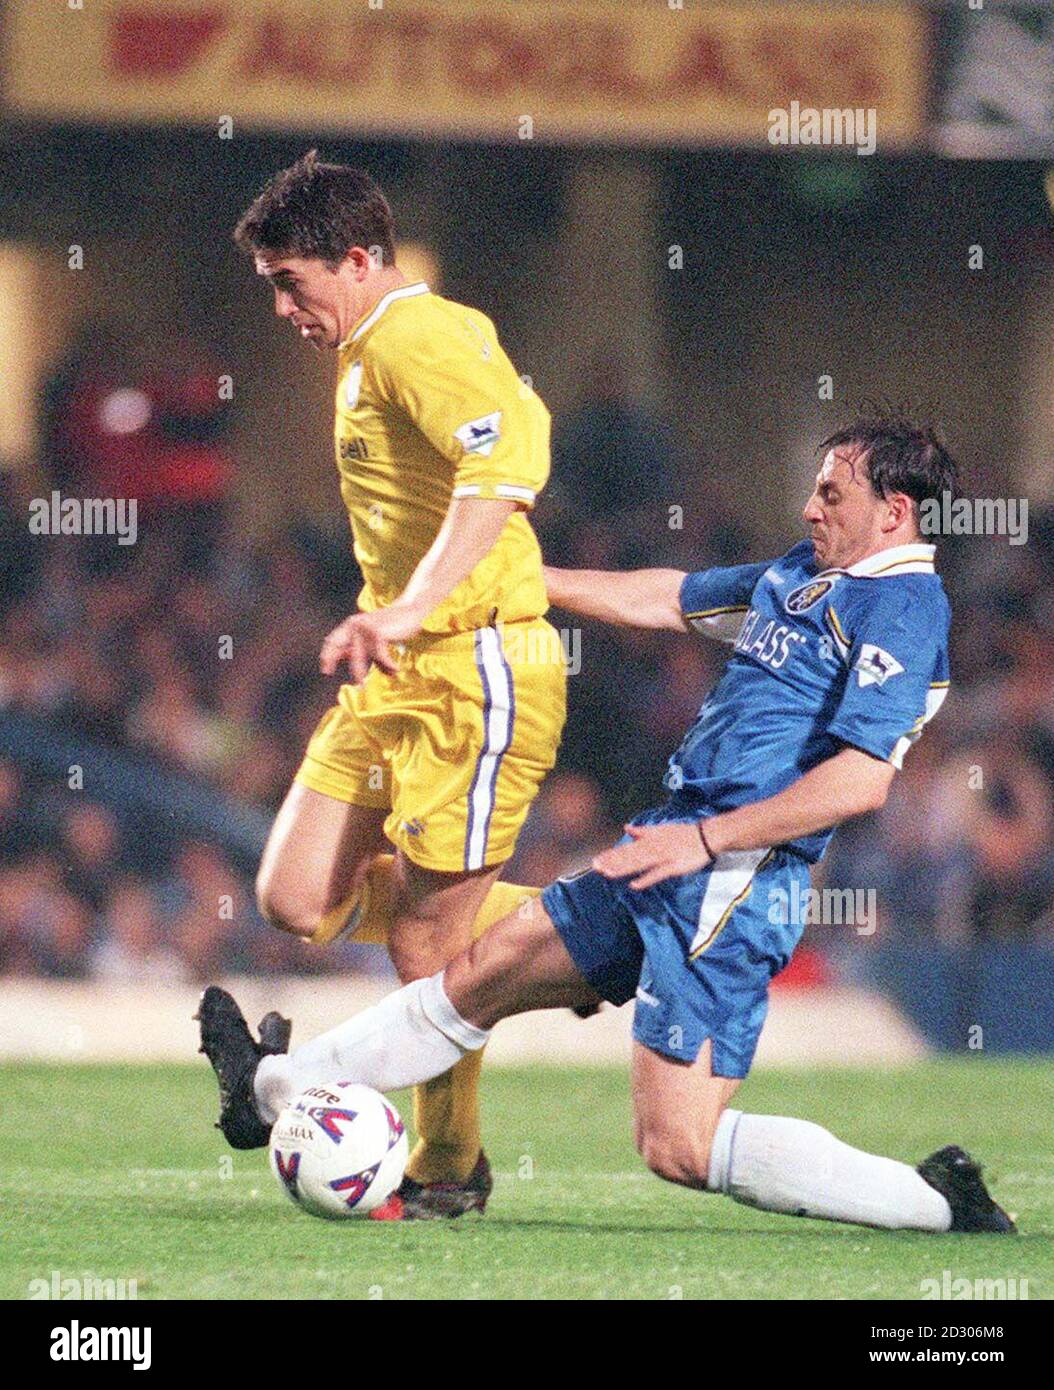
454, 745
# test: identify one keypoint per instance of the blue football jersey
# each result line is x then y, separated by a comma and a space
820, 660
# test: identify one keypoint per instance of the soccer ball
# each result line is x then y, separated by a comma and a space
339, 1150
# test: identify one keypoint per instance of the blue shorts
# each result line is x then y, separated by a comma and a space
697, 952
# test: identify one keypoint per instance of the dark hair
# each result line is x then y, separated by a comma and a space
900, 455
318, 210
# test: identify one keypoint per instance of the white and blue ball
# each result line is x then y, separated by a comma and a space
339, 1150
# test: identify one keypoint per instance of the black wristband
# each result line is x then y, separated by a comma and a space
702, 836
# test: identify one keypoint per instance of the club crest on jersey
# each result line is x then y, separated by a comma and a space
480, 436
805, 595
874, 666
352, 383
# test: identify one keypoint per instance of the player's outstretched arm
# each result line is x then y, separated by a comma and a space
469, 532
630, 598
847, 784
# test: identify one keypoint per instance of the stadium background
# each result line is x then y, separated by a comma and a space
677, 289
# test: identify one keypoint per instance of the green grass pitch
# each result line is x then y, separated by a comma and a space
116, 1172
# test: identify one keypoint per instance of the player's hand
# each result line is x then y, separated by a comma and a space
363, 640
656, 852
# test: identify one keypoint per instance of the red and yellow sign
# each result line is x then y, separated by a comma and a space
619, 70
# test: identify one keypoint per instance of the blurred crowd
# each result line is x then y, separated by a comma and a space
209, 676
963, 849
193, 654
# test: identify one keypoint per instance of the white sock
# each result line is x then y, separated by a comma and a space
411, 1036
793, 1166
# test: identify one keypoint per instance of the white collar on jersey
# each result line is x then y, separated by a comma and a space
897, 559
400, 292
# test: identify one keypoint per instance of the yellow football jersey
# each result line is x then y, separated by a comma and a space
430, 408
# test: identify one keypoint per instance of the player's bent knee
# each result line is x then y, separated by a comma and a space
289, 912
675, 1154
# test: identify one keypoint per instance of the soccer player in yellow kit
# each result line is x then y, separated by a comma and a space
456, 699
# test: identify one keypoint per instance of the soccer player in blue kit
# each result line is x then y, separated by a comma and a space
839, 658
